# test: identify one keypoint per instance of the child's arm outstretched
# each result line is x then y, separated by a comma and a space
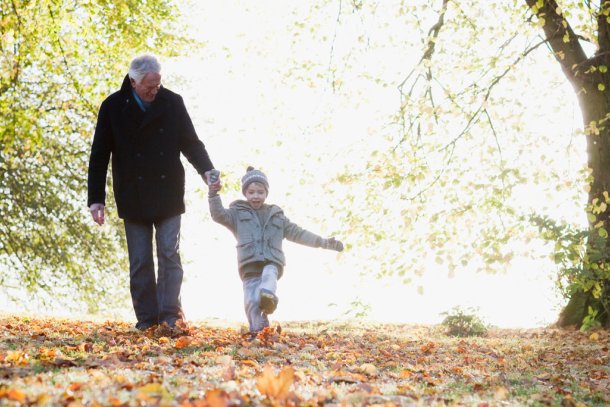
297, 234
331, 244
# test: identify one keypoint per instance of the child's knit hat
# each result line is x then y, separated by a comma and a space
253, 175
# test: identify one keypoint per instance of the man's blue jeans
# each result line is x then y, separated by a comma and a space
155, 300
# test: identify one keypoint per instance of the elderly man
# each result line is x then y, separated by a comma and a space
144, 128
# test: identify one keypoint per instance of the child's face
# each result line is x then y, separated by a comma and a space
256, 195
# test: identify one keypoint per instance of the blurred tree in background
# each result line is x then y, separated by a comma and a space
471, 157
59, 60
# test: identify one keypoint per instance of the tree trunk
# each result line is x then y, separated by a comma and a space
595, 107
589, 77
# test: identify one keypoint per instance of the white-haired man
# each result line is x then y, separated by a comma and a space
144, 128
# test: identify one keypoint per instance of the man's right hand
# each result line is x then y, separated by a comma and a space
97, 211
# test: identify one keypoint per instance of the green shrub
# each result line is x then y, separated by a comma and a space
460, 323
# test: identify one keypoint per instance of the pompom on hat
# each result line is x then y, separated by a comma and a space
254, 175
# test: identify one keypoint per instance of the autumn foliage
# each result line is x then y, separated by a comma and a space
74, 363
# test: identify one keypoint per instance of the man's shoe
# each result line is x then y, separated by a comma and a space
144, 326
268, 302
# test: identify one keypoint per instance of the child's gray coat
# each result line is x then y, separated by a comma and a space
256, 242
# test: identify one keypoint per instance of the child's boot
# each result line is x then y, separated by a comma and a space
268, 302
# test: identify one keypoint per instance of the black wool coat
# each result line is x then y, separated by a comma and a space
145, 147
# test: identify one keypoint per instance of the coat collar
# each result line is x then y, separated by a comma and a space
242, 205
157, 106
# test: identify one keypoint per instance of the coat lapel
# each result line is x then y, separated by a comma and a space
155, 110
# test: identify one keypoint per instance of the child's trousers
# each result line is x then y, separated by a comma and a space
252, 288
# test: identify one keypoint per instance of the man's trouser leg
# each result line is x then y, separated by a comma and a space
142, 273
170, 273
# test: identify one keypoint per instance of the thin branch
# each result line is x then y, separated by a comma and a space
332, 46
436, 179
491, 86
75, 83
433, 33
474, 118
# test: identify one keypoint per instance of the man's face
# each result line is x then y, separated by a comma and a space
148, 87
255, 195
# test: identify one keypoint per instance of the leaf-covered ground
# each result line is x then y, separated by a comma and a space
74, 362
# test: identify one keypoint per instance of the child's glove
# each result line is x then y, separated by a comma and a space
332, 244
213, 181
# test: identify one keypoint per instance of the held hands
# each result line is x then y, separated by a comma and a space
213, 180
332, 244
97, 211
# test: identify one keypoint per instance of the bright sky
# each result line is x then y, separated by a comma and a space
248, 112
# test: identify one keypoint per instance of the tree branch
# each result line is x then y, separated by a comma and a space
431, 44
561, 37
489, 89
74, 81
603, 28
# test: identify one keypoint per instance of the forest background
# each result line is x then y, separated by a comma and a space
439, 140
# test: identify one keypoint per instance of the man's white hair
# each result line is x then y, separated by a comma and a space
142, 65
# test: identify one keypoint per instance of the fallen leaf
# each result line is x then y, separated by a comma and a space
16, 395
17, 358
229, 373
151, 388
249, 362
183, 342
501, 393
405, 374
275, 387
61, 362
368, 369
217, 398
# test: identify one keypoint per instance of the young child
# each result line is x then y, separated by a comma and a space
260, 229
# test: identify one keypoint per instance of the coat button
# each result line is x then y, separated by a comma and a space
138, 155
161, 130
162, 176
140, 177
161, 153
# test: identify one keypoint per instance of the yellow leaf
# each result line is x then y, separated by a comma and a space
151, 388
17, 358
594, 336
275, 387
163, 340
249, 362
501, 393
